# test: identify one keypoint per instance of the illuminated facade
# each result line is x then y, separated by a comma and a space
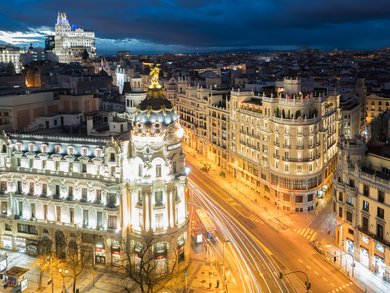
361, 203
56, 191
11, 54
376, 105
283, 146
70, 43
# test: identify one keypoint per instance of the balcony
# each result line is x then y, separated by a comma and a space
287, 146
374, 236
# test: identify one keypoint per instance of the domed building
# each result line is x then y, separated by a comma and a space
156, 209
108, 197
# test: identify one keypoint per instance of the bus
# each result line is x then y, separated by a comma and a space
207, 224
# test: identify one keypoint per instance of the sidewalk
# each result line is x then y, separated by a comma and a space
279, 220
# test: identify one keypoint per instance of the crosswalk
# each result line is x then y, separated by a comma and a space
254, 218
341, 288
307, 233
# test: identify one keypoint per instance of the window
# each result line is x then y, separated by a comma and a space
3, 187
70, 191
33, 210
112, 157
99, 220
44, 188
112, 222
159, 221
380, 213
20, 208
71, 215
174, 167
31, 190
286, 167
7, 227
158, 170
158, 197
98, 195
379, 231
28, 229
45, 210
4, 207
85, 218
365, 190
340, 212
84, 194
83, 168
381, 196
299, 199
111, 200
350, 200
57, 191
286, 197
340, 196
70, 150
58, 213
366, 206
365, 224
310, 197
349, 216
70, 167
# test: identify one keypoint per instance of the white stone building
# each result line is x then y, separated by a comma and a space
62, 192
70, 42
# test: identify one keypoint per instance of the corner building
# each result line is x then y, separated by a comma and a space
57, 193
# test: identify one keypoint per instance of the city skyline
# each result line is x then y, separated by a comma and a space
188, 26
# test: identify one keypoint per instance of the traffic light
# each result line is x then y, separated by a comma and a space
308, 285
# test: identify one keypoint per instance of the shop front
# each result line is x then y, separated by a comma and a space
115, 252
349, 246
6, 242
364, 257
31, 247
100, 253
379, 265
20, 244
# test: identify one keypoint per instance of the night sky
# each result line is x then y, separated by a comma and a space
188, 25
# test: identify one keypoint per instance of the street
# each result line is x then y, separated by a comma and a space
264, 250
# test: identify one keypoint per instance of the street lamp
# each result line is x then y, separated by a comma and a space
307, 282
223, 260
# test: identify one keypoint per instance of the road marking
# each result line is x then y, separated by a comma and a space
301, 261
350, 283
333, 284
254, 218
308, 267
317, 273
313, 236
325, 279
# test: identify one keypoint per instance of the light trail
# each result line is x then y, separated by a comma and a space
251, 260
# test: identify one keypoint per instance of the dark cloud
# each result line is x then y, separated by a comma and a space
216, 23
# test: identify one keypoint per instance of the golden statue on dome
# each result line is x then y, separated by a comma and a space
154, 73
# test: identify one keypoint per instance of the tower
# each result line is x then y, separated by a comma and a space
154, 170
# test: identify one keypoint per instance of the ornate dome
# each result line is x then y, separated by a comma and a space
155, 107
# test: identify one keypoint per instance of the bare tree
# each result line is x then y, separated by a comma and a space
141, 263
47, 263
75, 263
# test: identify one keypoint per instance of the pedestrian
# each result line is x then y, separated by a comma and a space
217, 284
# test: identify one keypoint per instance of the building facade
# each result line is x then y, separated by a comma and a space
71, 42
11, 54
283, 146
361, 203
61, 192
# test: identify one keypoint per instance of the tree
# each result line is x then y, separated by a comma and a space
141, 263
75, 263
47, 263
